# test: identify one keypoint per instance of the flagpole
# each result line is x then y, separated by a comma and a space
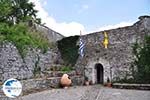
82, 57
80, 33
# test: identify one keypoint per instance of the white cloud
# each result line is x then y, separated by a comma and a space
45, 3
71, 28
65, 28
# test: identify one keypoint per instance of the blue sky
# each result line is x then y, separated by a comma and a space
70, 16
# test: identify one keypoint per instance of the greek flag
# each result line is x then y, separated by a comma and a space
81, 47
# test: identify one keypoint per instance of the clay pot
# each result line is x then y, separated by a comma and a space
65, 81
109, 84
87, 83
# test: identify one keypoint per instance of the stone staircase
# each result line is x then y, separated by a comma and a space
54, 67
40, 84
48, 80
57, 73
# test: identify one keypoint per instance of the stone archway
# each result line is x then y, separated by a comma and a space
99, 73
90, 70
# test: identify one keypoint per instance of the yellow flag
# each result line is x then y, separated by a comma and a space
105, 42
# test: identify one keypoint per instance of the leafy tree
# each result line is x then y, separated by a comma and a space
23, 10
15, 11
5, 10
142, 61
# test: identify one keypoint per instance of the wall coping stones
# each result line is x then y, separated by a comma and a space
131, 86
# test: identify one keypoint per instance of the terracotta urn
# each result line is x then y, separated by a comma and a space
109, 84
65, 80
87, 83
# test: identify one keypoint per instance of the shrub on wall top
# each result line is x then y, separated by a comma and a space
22, 37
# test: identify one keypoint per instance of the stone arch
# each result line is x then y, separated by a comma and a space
90, 70
99, 73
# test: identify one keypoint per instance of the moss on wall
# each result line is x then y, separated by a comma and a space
69, 49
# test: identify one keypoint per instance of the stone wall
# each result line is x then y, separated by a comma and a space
52, 35
117, 59
12, 65
53, 82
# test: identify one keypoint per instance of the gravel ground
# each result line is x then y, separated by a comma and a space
95, 92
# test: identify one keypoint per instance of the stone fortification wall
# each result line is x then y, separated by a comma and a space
12, 65
117, 59
52, 35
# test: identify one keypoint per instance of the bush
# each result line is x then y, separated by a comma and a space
22, 37
69, 49
142, 61
66, 69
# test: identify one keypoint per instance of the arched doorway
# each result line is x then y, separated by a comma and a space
99, 73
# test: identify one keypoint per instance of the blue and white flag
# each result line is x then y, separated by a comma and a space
81, 47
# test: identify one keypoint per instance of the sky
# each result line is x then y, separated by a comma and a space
69, 17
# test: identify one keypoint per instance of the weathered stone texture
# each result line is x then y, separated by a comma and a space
117, 59
12, 65
53, 82
52, 35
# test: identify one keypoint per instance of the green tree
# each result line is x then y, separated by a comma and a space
5, 10
15, 11
142, 61
23, 10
